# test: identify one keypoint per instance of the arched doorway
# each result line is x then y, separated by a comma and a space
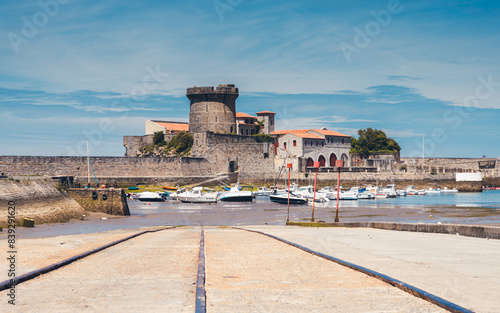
333, 158
345, 158
322, 161
310, 162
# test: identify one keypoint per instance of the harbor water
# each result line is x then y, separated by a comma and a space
461, 208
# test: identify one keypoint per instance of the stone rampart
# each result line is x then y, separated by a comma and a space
105, 200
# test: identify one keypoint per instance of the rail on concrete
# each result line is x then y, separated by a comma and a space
10, 283
479, 231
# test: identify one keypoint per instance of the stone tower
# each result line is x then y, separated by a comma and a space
212, 109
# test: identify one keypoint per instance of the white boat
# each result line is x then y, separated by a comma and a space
307, 193
284, 198
431, 191
343, 194
263, 191
445, 190
363, 193
196, 195
235, 194
150, 197
389, 192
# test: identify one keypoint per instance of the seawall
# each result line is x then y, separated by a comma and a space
39, 200
105, 200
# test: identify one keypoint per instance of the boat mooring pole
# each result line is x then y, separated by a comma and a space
339, 164
316, 165
289, 165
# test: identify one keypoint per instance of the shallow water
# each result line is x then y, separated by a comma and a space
462, 208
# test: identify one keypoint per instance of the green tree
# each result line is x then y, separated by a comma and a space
373, 141
181, 144
159, 139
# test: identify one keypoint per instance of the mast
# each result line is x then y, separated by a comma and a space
88, 163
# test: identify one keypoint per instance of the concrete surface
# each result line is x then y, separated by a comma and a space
154, 272
463, 270
248, 272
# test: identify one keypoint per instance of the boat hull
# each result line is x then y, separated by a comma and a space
284, 200
237, 198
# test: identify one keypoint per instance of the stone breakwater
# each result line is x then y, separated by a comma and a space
38, 200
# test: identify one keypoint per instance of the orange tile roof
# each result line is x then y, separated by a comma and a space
330, 132
298, 131
287, 131
307, 135
265, 112
173, 126
240, 114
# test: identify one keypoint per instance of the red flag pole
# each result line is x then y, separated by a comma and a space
316, 165
339, 164
289, 165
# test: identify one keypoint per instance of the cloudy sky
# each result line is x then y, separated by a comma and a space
75, 70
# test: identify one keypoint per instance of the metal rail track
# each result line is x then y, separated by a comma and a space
25, 277
417, 292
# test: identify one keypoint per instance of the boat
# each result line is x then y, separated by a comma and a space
445, 190
331, 194
196, 195
236, 195
431, 191
387, 192
363, 194
307, 193
263, 191
148, 196
169, 188
283, 198
133, 188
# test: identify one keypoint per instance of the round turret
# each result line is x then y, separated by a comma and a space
212, 109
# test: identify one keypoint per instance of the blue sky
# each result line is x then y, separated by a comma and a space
74, 70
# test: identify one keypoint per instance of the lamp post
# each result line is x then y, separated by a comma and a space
338, 164
289, 166
316, 165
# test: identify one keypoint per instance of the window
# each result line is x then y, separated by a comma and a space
271, 122
284, 145
342, 140
322, 143
295, 143
246, 131
206, 107
231, 129
216, 119
317, 143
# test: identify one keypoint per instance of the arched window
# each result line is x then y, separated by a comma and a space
321, 161
310, 162
333, 158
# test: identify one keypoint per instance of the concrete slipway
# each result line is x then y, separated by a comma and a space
250, 272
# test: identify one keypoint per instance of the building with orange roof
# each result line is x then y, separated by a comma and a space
313, 145
167, 127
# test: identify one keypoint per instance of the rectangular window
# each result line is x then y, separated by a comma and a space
295, 143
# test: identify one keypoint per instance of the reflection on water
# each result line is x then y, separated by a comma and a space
461, 208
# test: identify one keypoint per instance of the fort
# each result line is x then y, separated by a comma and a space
224, 144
